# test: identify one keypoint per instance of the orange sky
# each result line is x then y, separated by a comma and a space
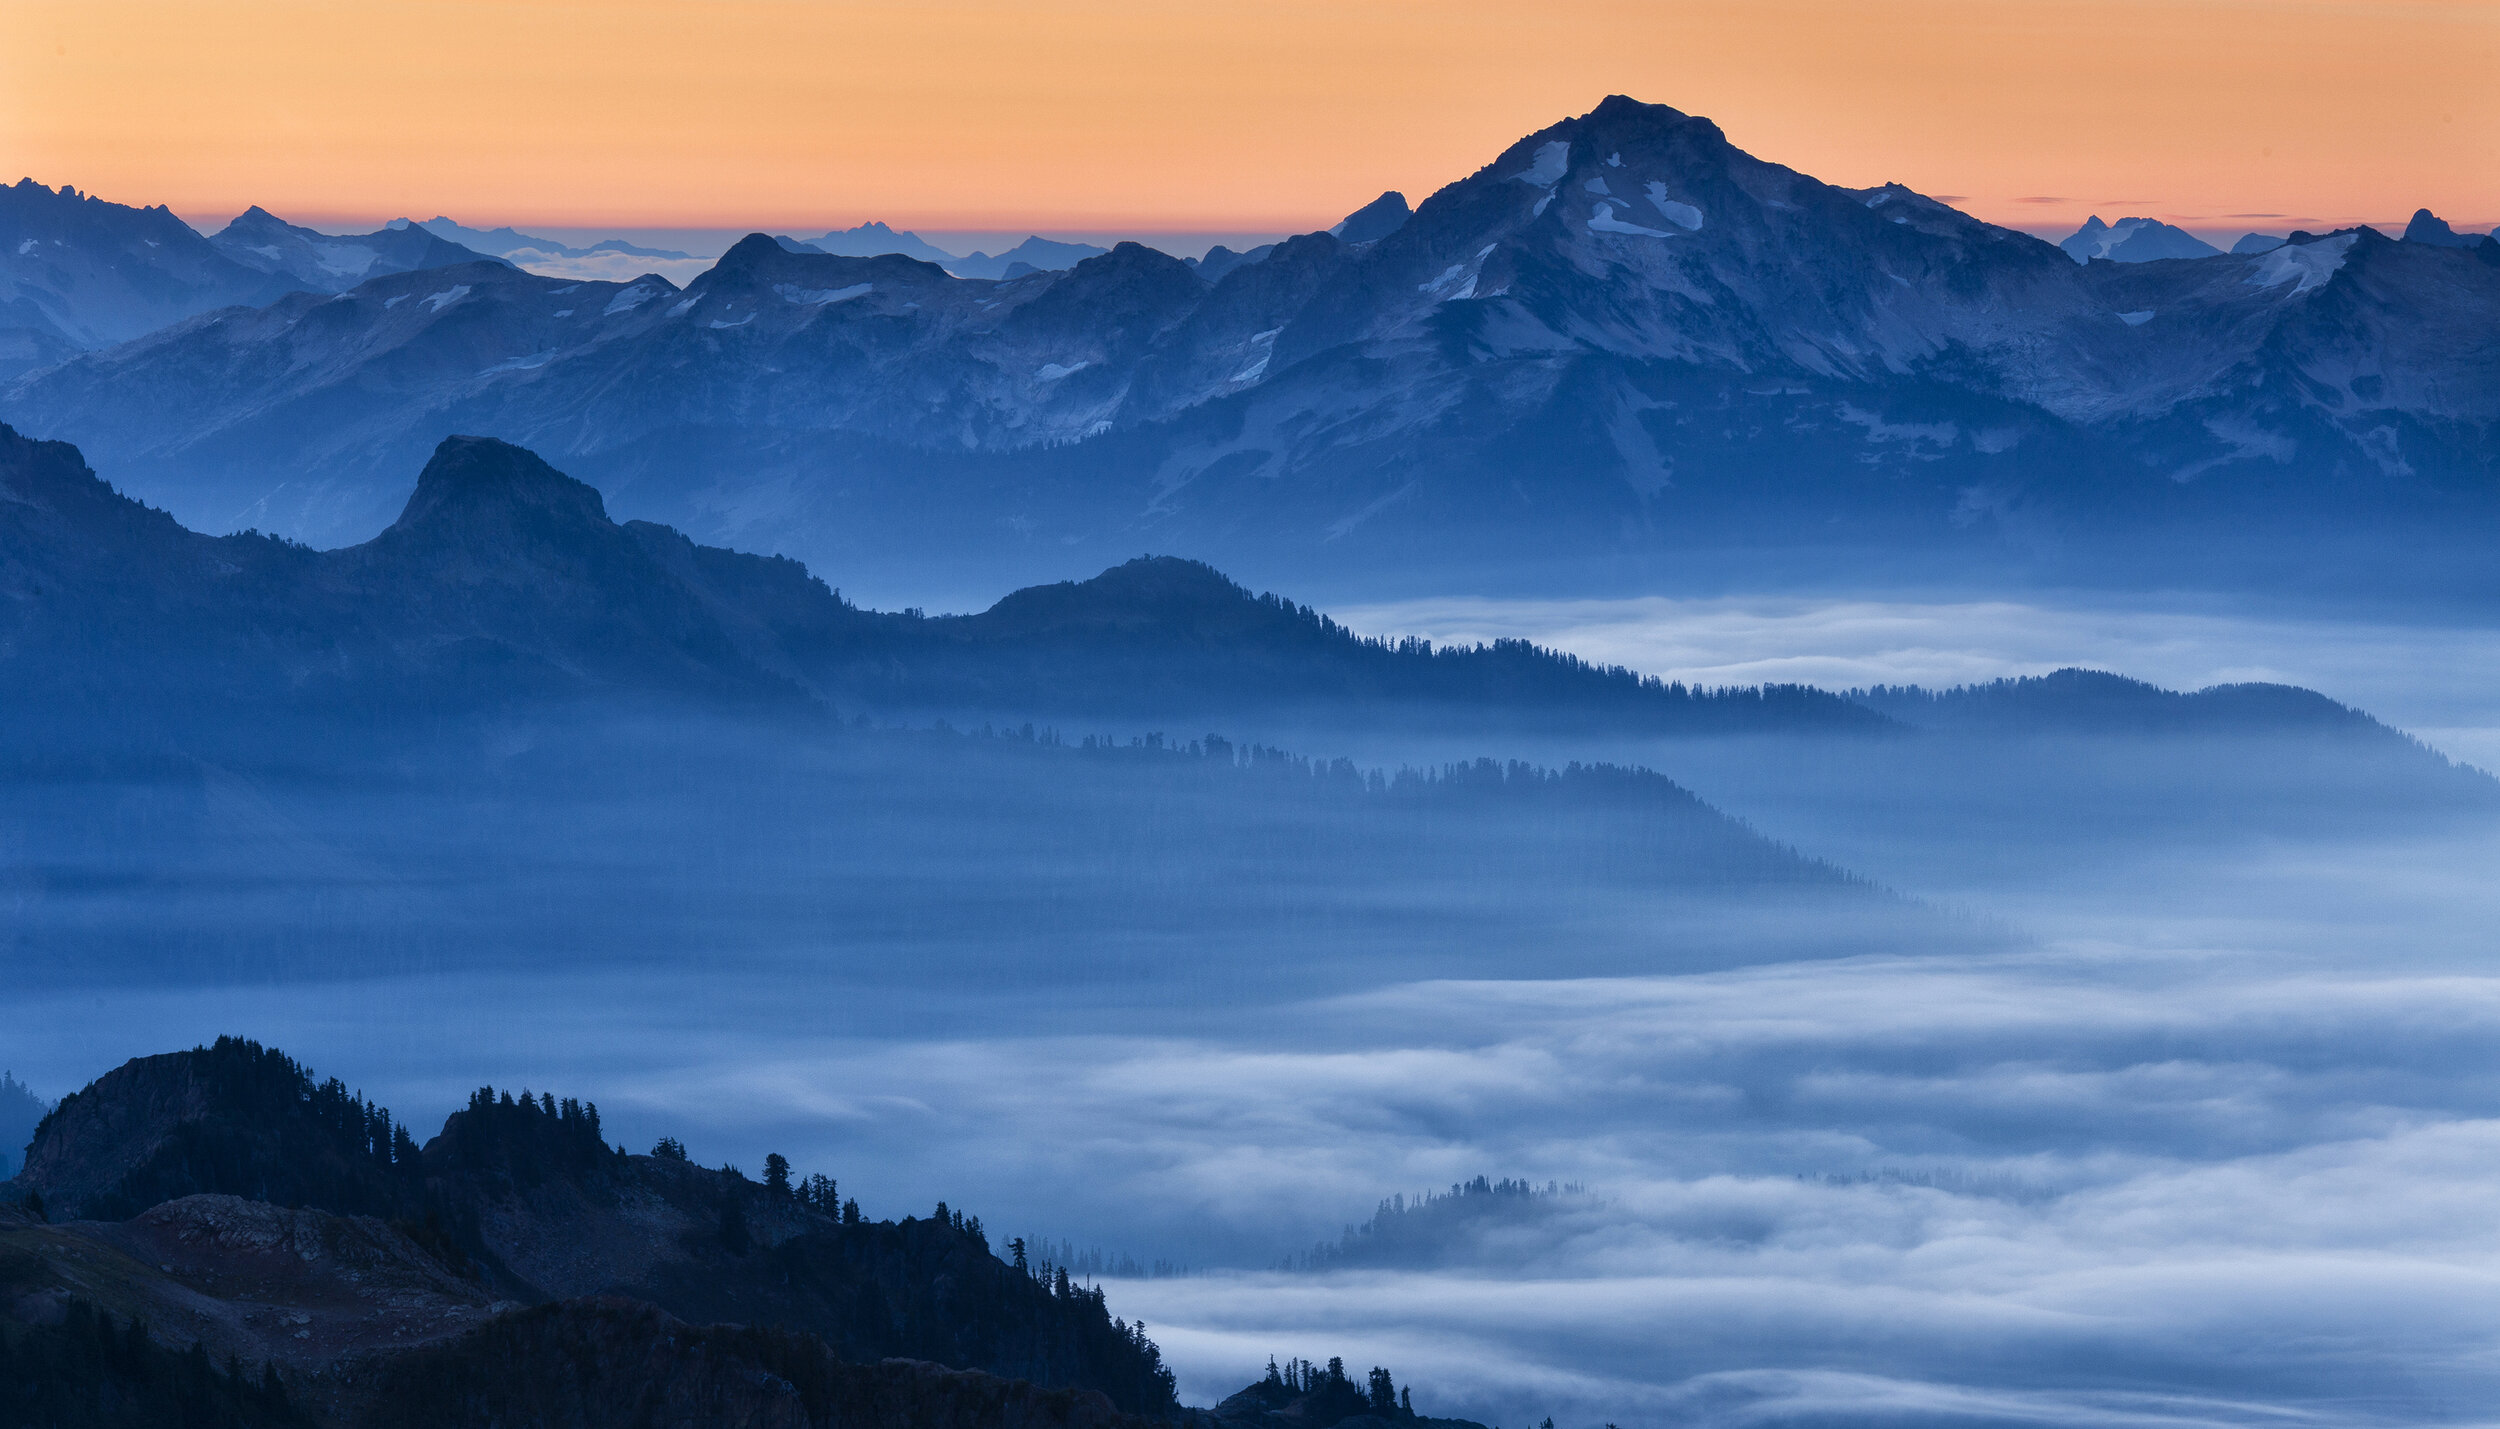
1230, 114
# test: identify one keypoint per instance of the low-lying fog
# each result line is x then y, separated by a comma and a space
2177, 1107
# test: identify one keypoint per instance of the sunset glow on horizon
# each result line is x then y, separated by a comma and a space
1277, 116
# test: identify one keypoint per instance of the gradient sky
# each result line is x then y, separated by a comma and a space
1244, 115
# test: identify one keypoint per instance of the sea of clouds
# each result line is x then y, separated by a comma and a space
2208, 1139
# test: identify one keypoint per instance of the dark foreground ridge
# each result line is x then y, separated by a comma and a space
214, 1238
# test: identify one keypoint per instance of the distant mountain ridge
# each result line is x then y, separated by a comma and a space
505, 580
78, 272
2134, 240
1622, 341
507, 242
334, 263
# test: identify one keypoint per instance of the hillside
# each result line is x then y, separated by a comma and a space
660, 1287
504, 582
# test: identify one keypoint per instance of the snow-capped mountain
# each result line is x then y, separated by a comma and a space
2133, 240
78, 272
333, 263
1623, 337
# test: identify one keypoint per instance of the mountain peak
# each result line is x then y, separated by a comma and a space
752, 249
1615, 108
473, 476
2429, 228
2133, 240
1147, 592
1375, 220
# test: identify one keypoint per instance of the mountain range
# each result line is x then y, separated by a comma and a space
504, 587
505, 580
507, 242
2133, 240
1035, 254
333, 263
1623, 343
78, 272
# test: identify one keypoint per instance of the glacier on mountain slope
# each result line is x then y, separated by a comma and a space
2311, 263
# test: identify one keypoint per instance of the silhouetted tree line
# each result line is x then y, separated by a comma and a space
269, 1133
86, 1372
1324, 1395
1096, 1262
525, 1139
1421, 1229
20, 1111
1159, 632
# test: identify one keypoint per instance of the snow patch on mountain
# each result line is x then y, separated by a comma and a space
1553, 160
2138, 319
818, 297
348, 260
629, 300
447, 297
1942, 434
1683, 215
1604, 221
2310, 263
1053, 371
